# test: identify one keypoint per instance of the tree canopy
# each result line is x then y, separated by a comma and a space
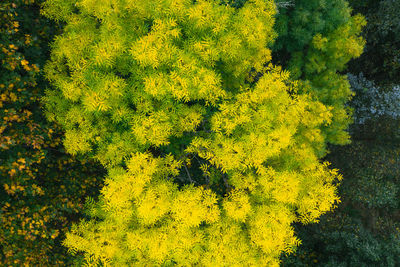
212, 151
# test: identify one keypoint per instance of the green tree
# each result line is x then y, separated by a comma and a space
208, 163
316, 39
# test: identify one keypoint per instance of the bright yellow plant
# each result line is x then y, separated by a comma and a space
208, 164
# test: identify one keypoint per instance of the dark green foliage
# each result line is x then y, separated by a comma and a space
364, 230
344, 242
298, 24
380, 61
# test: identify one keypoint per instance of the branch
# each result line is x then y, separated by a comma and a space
187, 171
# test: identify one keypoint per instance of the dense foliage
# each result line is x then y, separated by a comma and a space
316, 38
315, 41
383, 41
43, 188
364, 230
211, 151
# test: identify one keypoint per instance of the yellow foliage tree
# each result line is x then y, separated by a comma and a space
207, 166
